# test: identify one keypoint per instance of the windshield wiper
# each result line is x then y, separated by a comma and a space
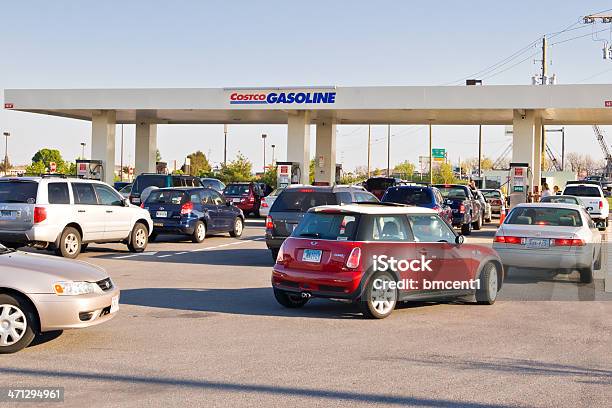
310, 234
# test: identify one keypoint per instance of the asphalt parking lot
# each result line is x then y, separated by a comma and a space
199, 326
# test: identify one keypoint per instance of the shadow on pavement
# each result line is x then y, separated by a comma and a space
220, 257
329, 395
45, 338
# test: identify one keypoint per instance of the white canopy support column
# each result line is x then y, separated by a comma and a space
325, 158
523, 139
537, 155
298, 142
103, 142
146, 147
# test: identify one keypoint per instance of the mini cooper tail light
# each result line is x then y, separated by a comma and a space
280, 258
40, 214
187, 208
354, 258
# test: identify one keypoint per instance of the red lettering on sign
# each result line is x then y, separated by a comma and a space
608, 104
518, 171
8, 106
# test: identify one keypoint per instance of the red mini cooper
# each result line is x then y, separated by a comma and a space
378, 255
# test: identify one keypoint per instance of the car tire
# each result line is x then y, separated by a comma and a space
236, 231
199, 232
586, 275
478, 224
378, 303
23, 321
274, 254
84, 247
597, 264
139, 238
489, 219
153, 237
289, 300
466, 229
69, 243
489, 285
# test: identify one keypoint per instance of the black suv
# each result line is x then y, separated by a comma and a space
294, 201
145, 180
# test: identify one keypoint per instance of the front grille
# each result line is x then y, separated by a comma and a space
105, 284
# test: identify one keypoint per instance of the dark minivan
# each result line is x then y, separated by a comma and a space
145, 180
295, 201
378, 185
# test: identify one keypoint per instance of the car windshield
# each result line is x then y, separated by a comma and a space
379, 183
491, 193
452, 192
339, 227
145, 181
236, 189
562, 217
18, 192
410, 196
166, 197
582, 191
301, 200
560, 199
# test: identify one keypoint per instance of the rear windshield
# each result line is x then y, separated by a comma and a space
143, 182
236, 189
410, 196
545, 216
216, 184
299, 201
380, 183
491, 194
339, 227
18, 192
582, 191
453, 192
166, 197
559, 199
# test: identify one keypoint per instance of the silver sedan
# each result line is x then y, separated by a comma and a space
40, 293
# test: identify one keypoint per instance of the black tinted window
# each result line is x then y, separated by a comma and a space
379, 183
582, 191
106, 196
453, 192
143, 182
166, 197
18, 192
302, 200
410, 196
83, 193
237, 189
58, 193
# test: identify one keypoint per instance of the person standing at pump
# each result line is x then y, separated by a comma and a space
556, 190
545, 190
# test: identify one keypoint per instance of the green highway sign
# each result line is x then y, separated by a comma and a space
438, 153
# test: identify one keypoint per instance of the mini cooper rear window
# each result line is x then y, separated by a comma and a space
339, 227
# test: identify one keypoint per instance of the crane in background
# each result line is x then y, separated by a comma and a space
607, 171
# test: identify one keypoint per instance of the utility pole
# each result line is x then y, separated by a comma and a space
369, 148
544, 82
263, 137
121, 161
6, 136
273, 159
225, 145
389, 150
480, 151
430, 156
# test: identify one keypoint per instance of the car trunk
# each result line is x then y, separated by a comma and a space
17, 202
315, 255
536, 235
166, 204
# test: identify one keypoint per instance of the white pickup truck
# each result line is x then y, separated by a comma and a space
593, 199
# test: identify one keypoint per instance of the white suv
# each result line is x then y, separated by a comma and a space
593, 199
66, 214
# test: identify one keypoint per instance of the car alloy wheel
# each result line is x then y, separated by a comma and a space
13, 325
238, 227
379, 298
489, 285
140, 238
71, 243
200, 232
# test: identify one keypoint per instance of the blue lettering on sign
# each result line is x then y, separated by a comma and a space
282, 98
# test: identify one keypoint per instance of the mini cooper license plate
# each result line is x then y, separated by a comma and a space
312, 255
114, 304
161, 214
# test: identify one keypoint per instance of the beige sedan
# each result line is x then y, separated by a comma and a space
40, 293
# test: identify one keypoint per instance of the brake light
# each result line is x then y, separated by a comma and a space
40, 214
263, 203
141, 205
306, 190
187, 208
462, 208
600, 204
508, 240
568, 242
280, 258
251, 199
354, 258
269, 223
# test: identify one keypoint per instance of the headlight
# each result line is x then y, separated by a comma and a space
74, 288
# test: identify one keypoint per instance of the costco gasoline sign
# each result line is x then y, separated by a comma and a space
283, 98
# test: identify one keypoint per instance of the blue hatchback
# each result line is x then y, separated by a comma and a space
193, 212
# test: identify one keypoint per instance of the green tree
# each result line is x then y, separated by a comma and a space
158, 157
36, 168
47, 156
444, 174
269, 177
239, 169
199, 163
405, 169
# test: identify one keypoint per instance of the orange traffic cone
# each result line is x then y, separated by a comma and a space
502, 217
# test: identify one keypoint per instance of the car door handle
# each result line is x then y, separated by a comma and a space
81, 211
109, 211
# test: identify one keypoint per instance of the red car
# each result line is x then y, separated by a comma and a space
377, 255
246, 196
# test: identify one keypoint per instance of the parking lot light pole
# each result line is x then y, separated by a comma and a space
273, 160
225, 145
6, 136
263, 137
82, 150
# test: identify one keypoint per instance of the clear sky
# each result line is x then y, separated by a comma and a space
112, 43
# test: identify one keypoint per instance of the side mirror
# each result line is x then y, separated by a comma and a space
459, 240
126, 202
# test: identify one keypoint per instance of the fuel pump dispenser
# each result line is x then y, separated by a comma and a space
518, 183
90, 169
287, 173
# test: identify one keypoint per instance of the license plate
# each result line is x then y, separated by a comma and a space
114, 304
8, 214
312, 255
235, 200
161, 214
135, 200
537, 243
158, 224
